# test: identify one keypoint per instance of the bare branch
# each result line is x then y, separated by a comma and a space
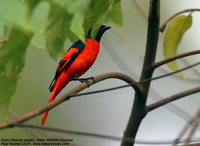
101, 136
193, 144
22, 125
181, 134
194, 122
174, 72
72, 93
172, 98
138, 111
162, 28
191, 133
165, 61
194, 70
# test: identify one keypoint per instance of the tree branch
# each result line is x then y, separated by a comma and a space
194, 122
174, 72
165, 61
138, 111
163, 26
102, 136
72, 93
172, 98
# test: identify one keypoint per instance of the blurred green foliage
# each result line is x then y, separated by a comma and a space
12, 56
46, 24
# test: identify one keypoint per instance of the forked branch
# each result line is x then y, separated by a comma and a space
138, 111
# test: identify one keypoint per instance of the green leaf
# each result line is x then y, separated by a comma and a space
56, 31
99, 22
173, 36
38, 23
95, 12
116, 14
78, 6
11, 10
78, 9
101, 12
31, 5
12, 56
64, 3
77, 26
2, 30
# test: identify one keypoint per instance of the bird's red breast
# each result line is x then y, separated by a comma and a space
85, 59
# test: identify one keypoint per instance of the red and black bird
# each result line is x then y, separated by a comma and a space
76, 61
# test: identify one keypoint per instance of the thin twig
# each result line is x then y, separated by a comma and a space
193, 144
172, 98
193, 122
194, 70
177, 71
72, 93
101, 136
182, 132
196, 120
162, 27
22, 125
165, 61
191, 133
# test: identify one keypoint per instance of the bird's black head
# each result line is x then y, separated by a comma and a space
101, 31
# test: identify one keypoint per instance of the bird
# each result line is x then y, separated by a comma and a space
75, 62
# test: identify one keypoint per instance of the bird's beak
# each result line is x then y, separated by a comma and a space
107, 27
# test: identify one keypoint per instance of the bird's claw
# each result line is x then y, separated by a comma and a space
86, 80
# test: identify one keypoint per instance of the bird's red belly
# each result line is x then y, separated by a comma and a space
85, 60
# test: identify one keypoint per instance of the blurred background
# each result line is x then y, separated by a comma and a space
122, 49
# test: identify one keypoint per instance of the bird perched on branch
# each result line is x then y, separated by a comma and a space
76, 61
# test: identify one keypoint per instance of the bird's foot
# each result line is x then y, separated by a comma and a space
83, 79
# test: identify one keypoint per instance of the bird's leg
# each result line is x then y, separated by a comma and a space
82, 79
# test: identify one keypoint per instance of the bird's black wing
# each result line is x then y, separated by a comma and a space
65, 62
